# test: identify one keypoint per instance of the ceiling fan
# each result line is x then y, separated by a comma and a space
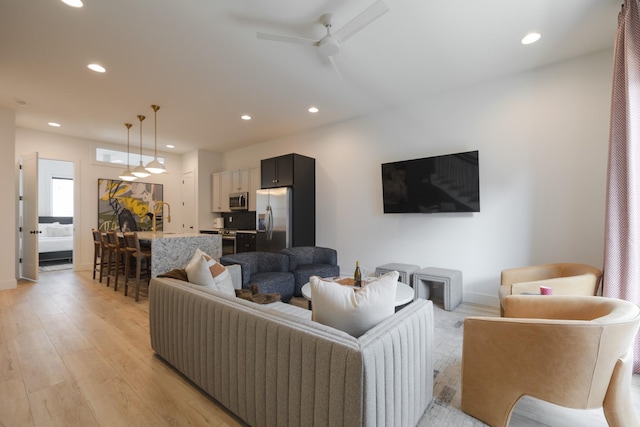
329, 45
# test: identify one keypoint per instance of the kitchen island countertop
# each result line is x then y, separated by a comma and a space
174, 250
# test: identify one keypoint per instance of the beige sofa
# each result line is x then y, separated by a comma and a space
272, 366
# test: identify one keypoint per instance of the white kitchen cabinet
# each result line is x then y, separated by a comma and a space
220, 188
240, 180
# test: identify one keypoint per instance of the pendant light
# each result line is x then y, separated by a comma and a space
155, 166
127, 175
139, 170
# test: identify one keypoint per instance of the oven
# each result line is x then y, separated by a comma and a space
228, 242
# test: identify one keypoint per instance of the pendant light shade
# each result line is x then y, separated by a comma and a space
155, 166
127, 175
139, 171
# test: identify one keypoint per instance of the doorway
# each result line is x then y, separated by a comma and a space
34, 222
55, 214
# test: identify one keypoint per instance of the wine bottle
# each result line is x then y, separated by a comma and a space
357, 276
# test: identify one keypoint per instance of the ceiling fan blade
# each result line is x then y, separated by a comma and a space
288, 39
369, 15
339, 65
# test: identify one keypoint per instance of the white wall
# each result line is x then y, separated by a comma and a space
543, 141
8, 174
87, 171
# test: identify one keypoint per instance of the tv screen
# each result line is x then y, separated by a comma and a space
448, 183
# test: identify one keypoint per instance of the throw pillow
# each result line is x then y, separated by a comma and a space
353, 312
204, 270
198, 272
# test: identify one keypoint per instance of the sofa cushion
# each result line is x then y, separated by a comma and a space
205, 271
304, 272
356, 312
274, 282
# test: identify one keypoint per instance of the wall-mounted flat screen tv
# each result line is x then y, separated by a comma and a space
448, 183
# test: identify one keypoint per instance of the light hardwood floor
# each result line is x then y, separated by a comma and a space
75, 353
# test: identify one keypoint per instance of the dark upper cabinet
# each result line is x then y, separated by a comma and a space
282, 171
298, 172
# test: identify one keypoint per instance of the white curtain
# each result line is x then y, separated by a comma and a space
622, 223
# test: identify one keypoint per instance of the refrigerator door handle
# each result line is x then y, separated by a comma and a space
269, 223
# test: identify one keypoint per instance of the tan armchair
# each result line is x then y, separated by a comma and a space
573, 351
563, 278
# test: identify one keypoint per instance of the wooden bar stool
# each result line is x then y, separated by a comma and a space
138, 255
115, 261
100, 253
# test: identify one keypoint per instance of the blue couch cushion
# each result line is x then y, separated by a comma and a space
303, 272
282, 283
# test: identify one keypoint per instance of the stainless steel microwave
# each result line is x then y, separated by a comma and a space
239, 201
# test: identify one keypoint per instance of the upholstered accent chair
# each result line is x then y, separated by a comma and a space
563, 278
307, 261
269, 271
573, 351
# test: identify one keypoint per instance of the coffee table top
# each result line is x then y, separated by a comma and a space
404, 293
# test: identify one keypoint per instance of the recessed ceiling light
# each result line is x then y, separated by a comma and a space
313, 109
97, 68
171, 146
531, 38
73, 3
54, 124
245, 117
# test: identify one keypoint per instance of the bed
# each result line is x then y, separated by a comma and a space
55, 239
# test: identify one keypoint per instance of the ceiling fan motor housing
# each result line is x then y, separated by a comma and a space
329, 46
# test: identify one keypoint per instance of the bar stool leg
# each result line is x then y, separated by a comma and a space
117, 268
138, 274
109, 252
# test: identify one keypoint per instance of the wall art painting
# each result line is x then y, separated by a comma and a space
128, 206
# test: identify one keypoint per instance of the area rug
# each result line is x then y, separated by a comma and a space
444, 409
55, 267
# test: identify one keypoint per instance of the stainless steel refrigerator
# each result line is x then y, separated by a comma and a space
273, 219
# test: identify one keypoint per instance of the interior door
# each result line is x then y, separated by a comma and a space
188, 203
29, 234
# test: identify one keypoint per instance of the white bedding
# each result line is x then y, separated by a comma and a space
55, 244
55, 237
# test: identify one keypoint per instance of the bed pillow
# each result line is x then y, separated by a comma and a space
56, 229
204, 270
354, 312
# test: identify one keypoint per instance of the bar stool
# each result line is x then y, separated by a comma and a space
100, 253
140, 255
116, 258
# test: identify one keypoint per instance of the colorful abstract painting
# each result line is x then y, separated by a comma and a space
128, 206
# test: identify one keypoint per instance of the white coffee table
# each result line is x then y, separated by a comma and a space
404, 293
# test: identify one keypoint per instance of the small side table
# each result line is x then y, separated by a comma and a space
405, 271
431, 280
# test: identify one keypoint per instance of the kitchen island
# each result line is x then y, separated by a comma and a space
175, 250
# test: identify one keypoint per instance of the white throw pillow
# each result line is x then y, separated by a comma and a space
204, 270
198, 273
356, 312
224, 282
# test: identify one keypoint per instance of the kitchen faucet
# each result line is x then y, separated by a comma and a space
160, 202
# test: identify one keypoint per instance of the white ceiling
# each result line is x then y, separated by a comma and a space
201, 61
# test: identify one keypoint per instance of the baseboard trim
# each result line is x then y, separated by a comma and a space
481, 299
8, 284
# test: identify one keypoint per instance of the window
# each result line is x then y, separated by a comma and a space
116, 157
61, 197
